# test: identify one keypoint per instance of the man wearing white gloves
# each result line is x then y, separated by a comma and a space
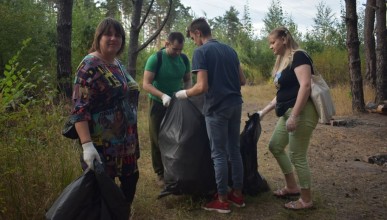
220, 77
165, 72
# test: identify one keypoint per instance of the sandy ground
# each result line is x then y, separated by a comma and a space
344, 181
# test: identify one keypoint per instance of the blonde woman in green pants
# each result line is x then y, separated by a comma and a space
297, 116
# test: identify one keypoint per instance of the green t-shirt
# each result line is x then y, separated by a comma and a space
170, 76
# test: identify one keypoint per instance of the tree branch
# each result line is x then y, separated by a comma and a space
154, 35
145, 16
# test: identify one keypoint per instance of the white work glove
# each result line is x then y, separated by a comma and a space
182, 94
166, 100
260, 113
291, 123
90, 154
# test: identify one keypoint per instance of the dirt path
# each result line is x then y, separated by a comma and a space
344, 181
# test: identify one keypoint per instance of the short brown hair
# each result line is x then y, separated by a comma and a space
102, 28
201, 25
178, 36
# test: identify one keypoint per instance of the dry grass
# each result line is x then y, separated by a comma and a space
264, 206
36, 164
341, 94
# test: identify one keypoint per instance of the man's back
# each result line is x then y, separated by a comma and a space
222, 65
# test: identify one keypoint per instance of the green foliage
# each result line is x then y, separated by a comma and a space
19, 90
86, 17
14, 86
36, 163
332, 63
274, 18
27, 19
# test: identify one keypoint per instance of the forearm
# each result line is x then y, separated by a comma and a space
302, 98
201, 85
269, 106
197, 89
83, 131
153, 90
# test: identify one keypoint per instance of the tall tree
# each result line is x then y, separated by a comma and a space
233, 25
274, 18
381, 51
324, 25
112, 8
63, 49
354, 57
135, 28
369, 42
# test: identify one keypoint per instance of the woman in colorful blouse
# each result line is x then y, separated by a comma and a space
105, 108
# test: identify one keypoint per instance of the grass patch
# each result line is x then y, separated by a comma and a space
37, 163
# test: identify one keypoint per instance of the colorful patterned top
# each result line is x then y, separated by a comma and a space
106, 96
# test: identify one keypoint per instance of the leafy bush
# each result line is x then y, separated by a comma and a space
29, 141
14, 86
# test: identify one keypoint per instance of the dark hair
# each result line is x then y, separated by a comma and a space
178, 36
103, 28
201, 25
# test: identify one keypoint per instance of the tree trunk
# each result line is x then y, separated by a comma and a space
63, 48
354, 57
369, 43
135, 27
134, 36
381, 51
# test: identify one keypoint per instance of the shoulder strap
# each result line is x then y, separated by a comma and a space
159, 55
159, 60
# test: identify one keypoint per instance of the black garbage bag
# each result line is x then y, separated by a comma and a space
93, 196
253, 182
185, 150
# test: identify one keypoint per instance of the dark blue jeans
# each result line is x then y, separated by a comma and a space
223, 129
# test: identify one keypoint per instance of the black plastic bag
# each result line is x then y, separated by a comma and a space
93, 196
253, 182
69, 130
185, 150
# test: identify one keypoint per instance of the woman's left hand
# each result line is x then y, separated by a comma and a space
291, 123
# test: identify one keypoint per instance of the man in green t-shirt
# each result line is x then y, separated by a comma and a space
162, 81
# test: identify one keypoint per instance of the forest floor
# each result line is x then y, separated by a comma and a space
344, 182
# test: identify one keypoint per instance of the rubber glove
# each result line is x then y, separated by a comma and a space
182, 94
90, 154
166, 100
291, 123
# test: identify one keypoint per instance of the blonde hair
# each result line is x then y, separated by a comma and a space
283, 61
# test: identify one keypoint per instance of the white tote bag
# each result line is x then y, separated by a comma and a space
322, 99
321, 96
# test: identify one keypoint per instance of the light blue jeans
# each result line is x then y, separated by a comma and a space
223, 129
298, 143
